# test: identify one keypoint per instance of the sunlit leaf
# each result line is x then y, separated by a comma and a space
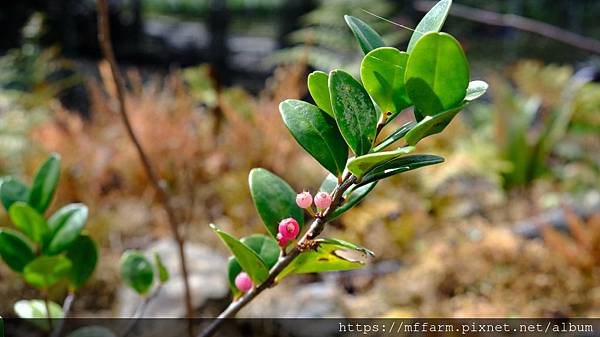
399, 165
431, 125
363, 164
475, 90
45, 271
65, 226
28, 221
328, 255
35, 312
437, 74
431, 22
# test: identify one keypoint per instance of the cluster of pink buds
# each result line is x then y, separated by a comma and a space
243, 282
322, 200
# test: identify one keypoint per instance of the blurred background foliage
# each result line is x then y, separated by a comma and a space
508, 226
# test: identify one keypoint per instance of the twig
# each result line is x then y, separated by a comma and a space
48, 313
139, 311
66, 309
163, 196
313, 231
518, 22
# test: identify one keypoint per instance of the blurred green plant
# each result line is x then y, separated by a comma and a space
532, 120
45, 251
325, 43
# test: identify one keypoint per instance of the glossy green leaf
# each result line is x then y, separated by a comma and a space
354, 112
11, 191
329, 255
431, 22
265, 246
45, 271
15, 250
400, 165
44, 184
367, 37
28, 221
65, 226
352, 196
35, 312
395, 136
136, 271
316, 132
475, 90
382, 73
431, 125
249, 260
83, 254
92, 331
437, 74
274, 199
163, 273
319, 90
233, 269
363, 164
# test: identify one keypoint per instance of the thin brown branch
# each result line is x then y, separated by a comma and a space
163, 196
518, 22
313, 231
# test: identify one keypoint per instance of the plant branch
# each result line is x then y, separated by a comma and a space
66, 309
313, 231
518, 22
163, 196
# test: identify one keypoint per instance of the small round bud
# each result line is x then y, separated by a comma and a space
243, 282
281, 240
323, 200
304, 199
289, 228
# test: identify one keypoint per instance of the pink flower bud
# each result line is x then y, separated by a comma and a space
281, 240
304, 199
323, 200
243, 282
289, 228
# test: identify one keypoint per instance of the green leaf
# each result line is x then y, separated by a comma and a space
45, 271
431, 22
35, 312
352, 196
316, 132
319, 90
329, 255
249, 260
274, 199
92, 331
44, 184
395, 136
233, 269
431, 125
15, 250
163, 273
437, 74
475, 90
382, 73
28, 221
353, 110
136, 271
363, 164
367, 37
265, 246
65, 226
83, 254
399, 165
11, 191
